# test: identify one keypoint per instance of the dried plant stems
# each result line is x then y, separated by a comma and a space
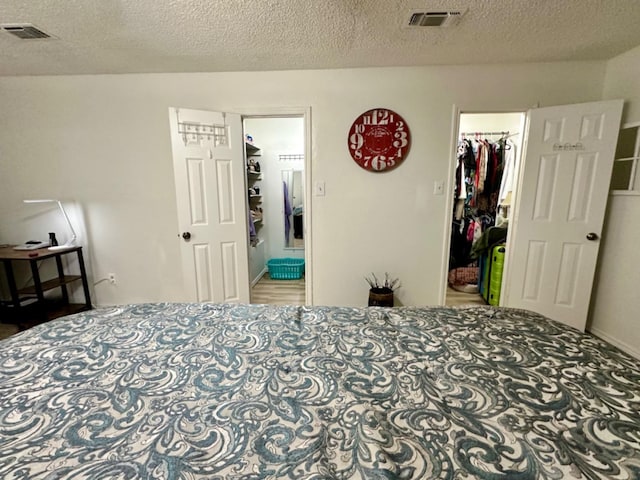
389, 283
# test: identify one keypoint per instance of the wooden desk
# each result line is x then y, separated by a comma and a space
28, 305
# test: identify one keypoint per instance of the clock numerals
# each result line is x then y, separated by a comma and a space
378, 117
401, 139
356, 141
378, 162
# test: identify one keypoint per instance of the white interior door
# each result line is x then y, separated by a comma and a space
208, 161
559, 212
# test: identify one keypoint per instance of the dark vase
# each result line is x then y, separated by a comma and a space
380, 297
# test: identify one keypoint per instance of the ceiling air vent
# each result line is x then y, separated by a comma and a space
25, 31
435, 19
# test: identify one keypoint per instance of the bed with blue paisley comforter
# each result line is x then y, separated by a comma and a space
206, 391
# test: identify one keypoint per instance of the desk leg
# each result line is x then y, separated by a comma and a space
63, 287
38, 288
11, 280
85, 283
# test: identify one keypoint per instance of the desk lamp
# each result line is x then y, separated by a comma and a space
72, 241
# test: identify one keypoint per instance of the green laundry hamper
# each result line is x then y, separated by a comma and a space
495, 273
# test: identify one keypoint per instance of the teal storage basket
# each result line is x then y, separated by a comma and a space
286, 268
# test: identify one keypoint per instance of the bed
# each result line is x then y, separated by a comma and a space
209, 391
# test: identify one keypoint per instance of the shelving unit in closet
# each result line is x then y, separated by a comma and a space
254, 177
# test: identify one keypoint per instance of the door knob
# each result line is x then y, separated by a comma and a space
186, 235
592, 236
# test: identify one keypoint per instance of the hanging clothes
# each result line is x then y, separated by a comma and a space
506, 185
466, 162
253, 236
479, 176
287, 212
482, 157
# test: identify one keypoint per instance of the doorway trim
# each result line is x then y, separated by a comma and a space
455, 127
446, 241
305, 113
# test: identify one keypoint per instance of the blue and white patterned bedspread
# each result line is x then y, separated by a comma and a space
203, 391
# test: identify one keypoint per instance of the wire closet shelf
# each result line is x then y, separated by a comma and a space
503, 134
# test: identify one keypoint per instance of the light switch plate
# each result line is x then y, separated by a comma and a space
438, 187
318, 189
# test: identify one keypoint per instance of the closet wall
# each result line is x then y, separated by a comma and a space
274, 136
478, 212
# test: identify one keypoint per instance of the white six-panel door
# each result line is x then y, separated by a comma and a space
208, 159
559, 213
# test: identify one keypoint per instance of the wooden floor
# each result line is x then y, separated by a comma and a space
459, 298
278, 292
7, 330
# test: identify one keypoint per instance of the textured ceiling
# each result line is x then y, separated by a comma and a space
128, 36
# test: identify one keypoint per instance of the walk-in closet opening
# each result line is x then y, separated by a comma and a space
275, 155
487, 160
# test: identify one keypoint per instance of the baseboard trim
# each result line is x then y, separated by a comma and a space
614, 341
260, 275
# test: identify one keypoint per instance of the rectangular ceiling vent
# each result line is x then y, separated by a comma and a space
435, 19
25, 31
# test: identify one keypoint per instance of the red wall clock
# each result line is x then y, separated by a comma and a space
379, 140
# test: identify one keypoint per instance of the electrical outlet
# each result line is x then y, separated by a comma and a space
112, 278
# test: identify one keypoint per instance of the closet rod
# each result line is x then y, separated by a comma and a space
504, 134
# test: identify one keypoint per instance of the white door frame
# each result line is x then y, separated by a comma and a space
305, 113
446, 243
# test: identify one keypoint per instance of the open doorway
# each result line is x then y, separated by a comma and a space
486, 162
210, 171
276, 208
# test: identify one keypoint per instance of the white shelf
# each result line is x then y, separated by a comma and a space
625, 193
252, 150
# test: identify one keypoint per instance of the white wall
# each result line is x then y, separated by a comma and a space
616, 304
104, 142
275, 137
